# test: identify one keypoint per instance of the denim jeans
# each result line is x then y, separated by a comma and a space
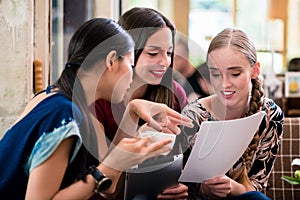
252, 195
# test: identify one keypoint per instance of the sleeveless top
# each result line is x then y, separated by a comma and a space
33, 139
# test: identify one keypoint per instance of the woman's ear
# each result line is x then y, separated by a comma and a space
256, 70
111, 56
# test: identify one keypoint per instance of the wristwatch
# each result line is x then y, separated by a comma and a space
102, 182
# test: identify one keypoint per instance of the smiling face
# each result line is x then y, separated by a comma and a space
230, 75
155, 57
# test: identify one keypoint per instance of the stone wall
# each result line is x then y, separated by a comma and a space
16, 47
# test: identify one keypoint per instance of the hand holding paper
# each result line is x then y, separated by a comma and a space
218, 146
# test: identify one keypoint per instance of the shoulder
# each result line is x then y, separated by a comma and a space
64, 104
58, 108
180, 94
273, 110
273, 121
197, 109
178, 88
59, 100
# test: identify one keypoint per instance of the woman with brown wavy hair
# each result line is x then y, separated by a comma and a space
153, 35
235, 78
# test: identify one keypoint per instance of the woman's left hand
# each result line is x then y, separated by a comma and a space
179, 191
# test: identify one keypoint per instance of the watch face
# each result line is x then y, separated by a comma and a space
104, 184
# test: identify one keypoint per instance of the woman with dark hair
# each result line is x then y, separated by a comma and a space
235, 77
53, 150
153, 35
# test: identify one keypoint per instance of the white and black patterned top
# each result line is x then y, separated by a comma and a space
270, 132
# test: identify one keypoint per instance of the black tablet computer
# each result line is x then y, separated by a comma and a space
148, 180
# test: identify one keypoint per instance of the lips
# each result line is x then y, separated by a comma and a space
227, 94
158, 73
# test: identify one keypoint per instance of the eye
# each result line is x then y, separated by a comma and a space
236, 74
215, 75
152, 54
169, 53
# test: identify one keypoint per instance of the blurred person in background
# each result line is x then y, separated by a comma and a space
194, 80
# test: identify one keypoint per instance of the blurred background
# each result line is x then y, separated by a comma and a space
34, 35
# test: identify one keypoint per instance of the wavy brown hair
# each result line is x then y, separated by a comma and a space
141, 23
238, 40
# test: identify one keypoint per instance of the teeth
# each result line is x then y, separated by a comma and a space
156, 72
227, 93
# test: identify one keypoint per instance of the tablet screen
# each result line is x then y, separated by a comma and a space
147, 181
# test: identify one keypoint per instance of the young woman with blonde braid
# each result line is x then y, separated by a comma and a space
234, 74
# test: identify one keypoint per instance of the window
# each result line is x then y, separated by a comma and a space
209, 17
266, 33
67, 16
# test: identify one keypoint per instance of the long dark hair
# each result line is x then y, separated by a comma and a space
141, 23
90, 44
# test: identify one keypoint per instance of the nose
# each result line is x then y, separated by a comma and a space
226, 81
165, 59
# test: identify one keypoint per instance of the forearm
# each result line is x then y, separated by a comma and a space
238, 188
78, 190
85, 189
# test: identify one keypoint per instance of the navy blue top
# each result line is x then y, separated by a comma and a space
33, 139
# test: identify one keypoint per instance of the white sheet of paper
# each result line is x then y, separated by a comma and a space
218, 146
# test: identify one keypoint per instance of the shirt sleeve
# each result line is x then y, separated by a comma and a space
268, 147
48, 142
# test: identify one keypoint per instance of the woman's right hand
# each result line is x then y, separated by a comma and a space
156, 115
222, 186
130, 152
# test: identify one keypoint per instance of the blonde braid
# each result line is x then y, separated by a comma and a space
241, 175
